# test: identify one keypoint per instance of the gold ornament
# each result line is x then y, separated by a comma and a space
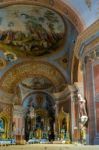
2, 63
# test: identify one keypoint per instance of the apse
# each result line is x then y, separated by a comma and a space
39, 113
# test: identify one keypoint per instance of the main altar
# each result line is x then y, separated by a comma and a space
39, 119
40, 126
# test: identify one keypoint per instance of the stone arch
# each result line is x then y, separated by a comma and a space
29, 69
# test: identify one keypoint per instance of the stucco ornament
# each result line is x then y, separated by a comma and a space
2, 63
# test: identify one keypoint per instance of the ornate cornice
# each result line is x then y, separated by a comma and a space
57, 5
91, 53
29, 69
86, 39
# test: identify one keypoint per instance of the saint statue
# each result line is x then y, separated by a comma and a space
82, 106
83, 118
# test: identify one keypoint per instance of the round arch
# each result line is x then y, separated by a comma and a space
29, 69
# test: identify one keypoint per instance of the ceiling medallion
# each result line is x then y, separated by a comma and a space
10, 57
2, 63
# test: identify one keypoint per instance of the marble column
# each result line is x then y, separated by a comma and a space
19, 122
74, 117
88, 62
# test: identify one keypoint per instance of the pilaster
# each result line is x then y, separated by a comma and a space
18, 123
87, 51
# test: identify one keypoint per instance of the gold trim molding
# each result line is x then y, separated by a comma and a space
2, 63
29, 69
84, 36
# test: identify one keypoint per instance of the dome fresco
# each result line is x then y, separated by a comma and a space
31, 30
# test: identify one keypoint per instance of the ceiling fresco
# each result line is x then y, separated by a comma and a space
34, 28
31, 30
38, 82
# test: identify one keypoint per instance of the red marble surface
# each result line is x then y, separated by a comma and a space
97, 116
96, 78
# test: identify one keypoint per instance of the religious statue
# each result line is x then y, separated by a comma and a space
82, 107
83, 117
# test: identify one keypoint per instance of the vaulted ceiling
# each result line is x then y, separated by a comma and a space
37, 39
87, 10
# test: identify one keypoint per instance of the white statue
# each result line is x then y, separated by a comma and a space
82, 109
83, 117
82, 106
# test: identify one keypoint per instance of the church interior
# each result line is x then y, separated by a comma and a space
49, 72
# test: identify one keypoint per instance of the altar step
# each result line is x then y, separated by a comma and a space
50, 147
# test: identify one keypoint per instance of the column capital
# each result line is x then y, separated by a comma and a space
90, 56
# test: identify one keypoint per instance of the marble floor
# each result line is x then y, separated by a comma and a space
50, 147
